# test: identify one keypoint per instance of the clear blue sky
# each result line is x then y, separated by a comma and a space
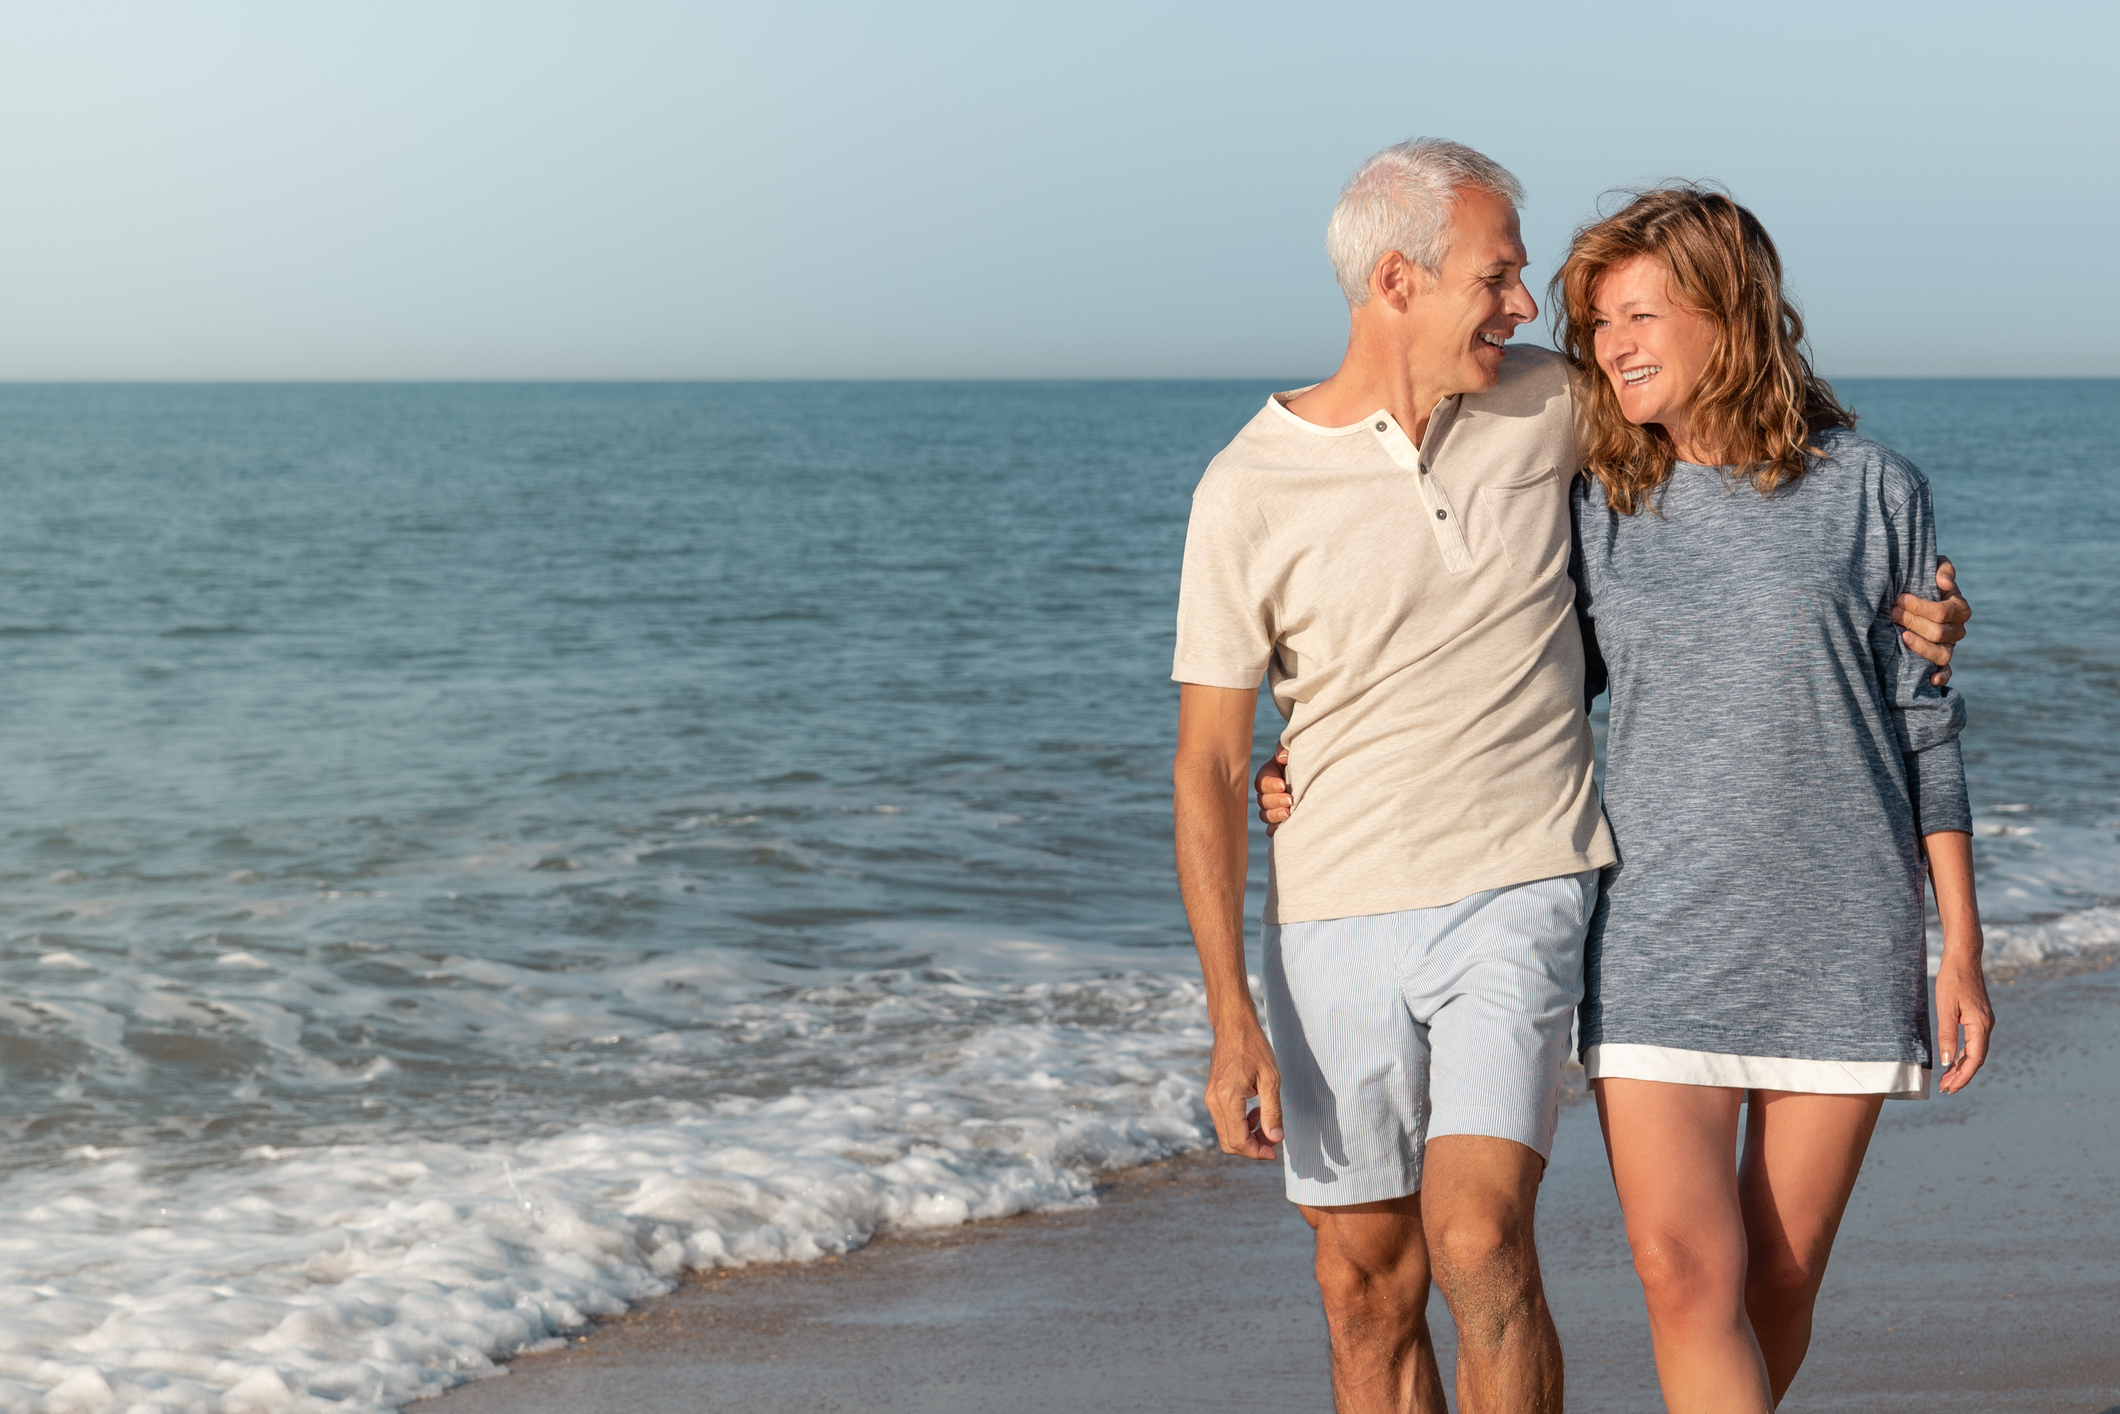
624, 190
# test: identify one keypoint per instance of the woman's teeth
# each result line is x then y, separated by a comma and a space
1637, 376
1495, 340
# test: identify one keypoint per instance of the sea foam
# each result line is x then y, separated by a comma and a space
353, 1277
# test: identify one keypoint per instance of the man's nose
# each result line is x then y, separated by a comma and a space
1519, 305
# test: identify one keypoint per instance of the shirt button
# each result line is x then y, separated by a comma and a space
1424, 468
1383, 426
1442, 515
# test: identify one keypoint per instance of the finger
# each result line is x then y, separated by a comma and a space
1941, 679
1232, 1117
1978, 1027
1255, 1144
1946, 575
1942, 635
1276, 800
1223, 1137
1270, 1106
1935, 618
1947, 1010
1951, 609
1281, 756
1937, 653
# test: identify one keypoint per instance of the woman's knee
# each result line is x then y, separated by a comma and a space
1778, 1277
1687, 1276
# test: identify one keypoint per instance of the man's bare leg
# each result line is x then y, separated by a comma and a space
1372, 1268
1478, 1196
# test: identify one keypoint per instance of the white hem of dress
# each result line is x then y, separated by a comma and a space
1895, 1080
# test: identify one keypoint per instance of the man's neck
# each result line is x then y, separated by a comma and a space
1369, 380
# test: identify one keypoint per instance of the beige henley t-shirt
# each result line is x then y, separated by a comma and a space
1411, 610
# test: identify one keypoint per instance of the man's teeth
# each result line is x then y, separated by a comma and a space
1641, 375
1496, 340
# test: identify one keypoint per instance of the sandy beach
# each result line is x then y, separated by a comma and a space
1979, 1270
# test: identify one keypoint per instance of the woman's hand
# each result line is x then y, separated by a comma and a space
1271, 786
1961, 1002
1961, 987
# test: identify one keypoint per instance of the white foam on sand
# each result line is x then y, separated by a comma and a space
354, 1277
802, 1112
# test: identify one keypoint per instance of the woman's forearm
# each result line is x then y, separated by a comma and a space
1957, 907
1965, 1020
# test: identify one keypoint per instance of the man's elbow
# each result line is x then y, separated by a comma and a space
1210, 772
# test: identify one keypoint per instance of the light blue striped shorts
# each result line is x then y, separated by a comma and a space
1396, 1028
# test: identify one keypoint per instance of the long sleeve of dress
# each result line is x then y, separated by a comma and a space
1927, 718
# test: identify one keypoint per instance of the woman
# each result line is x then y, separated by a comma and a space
1760, 945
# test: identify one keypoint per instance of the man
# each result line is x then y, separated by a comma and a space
1389, 549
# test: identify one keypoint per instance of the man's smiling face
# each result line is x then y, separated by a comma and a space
1472, 307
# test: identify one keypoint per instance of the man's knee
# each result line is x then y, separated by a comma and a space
1361, 1295
1480, 1208
1372, 1262
1484, 1244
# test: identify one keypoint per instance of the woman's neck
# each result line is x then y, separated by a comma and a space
1679, 428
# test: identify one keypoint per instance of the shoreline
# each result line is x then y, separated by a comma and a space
1978, 1269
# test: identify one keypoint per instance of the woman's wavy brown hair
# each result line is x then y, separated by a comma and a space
1758, 403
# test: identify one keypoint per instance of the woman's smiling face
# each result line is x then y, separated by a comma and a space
1652, 348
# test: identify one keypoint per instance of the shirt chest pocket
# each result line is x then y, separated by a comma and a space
1530, 518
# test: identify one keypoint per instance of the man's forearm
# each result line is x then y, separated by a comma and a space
1210, 803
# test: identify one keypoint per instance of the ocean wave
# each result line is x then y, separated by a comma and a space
353, 1277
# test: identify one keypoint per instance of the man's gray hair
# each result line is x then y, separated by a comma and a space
1401, 200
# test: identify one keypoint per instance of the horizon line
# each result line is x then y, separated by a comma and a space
762, 380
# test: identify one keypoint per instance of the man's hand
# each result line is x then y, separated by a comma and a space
1929, 627
1242, 1068
1271, 786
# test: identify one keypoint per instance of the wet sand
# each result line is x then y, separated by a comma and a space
1978, 1270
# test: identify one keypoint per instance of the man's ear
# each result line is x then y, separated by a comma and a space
1396, 280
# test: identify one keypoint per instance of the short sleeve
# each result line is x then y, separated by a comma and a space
1581, 425
1225, 619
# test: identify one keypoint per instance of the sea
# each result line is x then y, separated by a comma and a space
470, 854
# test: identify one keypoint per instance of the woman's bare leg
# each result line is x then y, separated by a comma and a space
1674, 1162
1802, 1153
